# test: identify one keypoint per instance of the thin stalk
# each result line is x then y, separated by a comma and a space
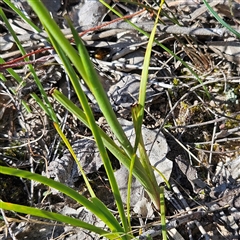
94, 85
163, 214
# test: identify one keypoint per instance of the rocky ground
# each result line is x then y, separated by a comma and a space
196, 124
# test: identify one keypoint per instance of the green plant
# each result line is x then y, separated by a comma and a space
126, 154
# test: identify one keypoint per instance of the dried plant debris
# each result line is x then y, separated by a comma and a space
64, 169
124, 93
226, 49
204, 201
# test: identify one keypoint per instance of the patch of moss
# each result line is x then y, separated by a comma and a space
231, 123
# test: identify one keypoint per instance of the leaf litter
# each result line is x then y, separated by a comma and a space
204, 201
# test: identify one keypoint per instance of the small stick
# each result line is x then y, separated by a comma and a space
111, 22
11, 64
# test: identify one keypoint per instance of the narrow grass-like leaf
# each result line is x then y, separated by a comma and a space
130, 176
112, 222
138, 113
49, 182
85, 68
144, 80
163, 214
220, 20
94, 128
99, 92
65, 140
56, 217
138, 171
93, 82
90, 121
145, 160
21, 14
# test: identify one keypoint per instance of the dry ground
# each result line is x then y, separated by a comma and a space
199, 121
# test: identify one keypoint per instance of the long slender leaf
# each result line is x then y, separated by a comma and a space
144, 80
56, 217
163, 213
113, 224
22, 15
99, 93
219, 19
64, 138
